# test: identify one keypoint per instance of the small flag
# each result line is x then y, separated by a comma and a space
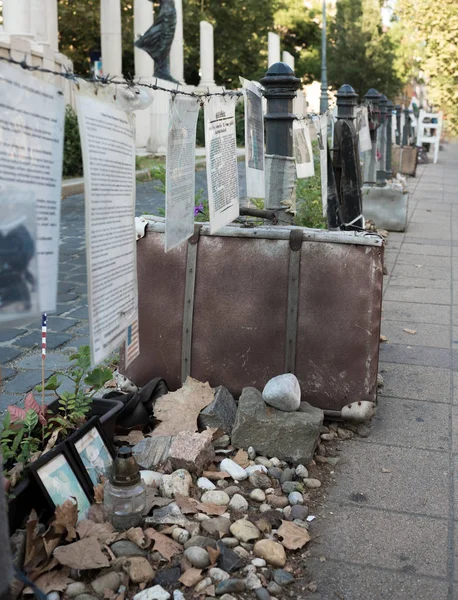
132, 343
44, 328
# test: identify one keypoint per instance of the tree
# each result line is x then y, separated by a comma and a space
360, 53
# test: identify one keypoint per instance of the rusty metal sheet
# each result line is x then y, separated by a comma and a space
240, 311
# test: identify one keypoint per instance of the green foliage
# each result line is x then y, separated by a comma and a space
73, 159
308, 197
360, 53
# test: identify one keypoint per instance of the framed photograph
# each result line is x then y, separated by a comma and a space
58, 477
92, 451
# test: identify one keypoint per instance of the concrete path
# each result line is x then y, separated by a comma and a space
388, 530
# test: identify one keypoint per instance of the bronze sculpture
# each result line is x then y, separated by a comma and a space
157, 40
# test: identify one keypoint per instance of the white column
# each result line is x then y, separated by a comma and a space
110, 34
176, 52
143, 19
207, 62
288, 58
274, 49
16, 17
53, 25
39, 20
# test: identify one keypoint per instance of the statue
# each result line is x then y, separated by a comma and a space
157, 41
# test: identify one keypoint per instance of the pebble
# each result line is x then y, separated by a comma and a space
275, 461
252, 582
295, 498
218, 575
219, 525
75, 589
290, 486
85, 596
328, 437
126, 548
238, 502
241, 552
321, 460
283, 392
230, 586
230, 542
168, 576
255, 469
262, 594
251, 453
301, 523
53, 596
218, 497
262, 460
108, 581
258, 495
274, 589
344, 434
176, 484
228, 560
277, 501
177, 595
287, 512
234, 470
287, 475
302, 472
222, 442
312, 483
264, 508
151, 477
138, 569
224, 597
299, 512
200, 541
275, 473
202, 585
245, 531
282, 577
180, 535
258, 563
198, 557
260, 480
232, 489
272, 552
153, 593
222, 484
248, 547
205, 484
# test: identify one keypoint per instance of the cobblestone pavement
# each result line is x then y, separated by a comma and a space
388, 528
68, 328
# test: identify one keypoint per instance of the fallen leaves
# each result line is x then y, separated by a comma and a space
190, 506
85, 554
104, 532
163, 544
178, 411
215, 475
410, 331
137, 536
55, 581
191, 577
132, 438
241, 458
294, 537
65, 519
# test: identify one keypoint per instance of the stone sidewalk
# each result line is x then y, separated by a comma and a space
388, 528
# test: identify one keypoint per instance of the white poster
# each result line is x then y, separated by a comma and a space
362, 128
108, 150
222, 168
254, 141
321, 125
303, 152
31, 150
180, 171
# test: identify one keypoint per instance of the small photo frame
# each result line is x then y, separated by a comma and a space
92, 451
57, 475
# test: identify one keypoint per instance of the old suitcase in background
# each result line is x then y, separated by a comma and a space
242, 306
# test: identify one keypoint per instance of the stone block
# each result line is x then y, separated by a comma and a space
386, 206
152, 451
220, 414
191, 451
287, 436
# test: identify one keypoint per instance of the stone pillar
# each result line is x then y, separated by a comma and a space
288, 58
207, 62
110, 34
39, 20
274, 49
16, 17
143, 19
176, 52
53, 24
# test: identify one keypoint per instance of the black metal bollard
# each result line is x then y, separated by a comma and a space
398, 109
406, 132
372, 98
381, 173
280, 90
346, 163
389, 139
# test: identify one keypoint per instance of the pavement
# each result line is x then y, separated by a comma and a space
388, 529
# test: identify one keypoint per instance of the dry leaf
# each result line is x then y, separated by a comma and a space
293, 536
209, 591
164, 545
411, 331
132, 438
65, 519
178, 411
191, 577
51, 543
49, 566
211, 509
104, 532
383, 338
99, 493
35, 553
213, 554
98, 513
52, 440
187, 505
215, 475
15, 473
241, 458
55, 581
85, 554
137, 536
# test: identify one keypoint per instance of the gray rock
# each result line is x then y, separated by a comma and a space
202, 585
152, 451
86, 597
220, 414
287, 436
153, 593
217, 575
200, 541
126, 548
283, 393
220, 526
176, 483
299, 512
168, 515
295, 498
241, 552
230, 542
302, 472
230, 586
262, 594
282, 577
53, 596
222, 442
252, 582
275, 473
75, 589
108, 581
251, 453
238, 502
231, 490
168, 576
180, 535
198, 557
290, 486
287, 475
274, 589
228, 560
258, 495
260, 480
218, 497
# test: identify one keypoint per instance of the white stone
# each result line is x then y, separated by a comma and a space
153, 593
255, 469
258, 563
264, 508
273, 48
176, 484
234, 470
202, 585
252, 582
198, 557
53, 596
238, 502
151, 477
143, 19
262, 460
230, 542
16, 16
241, 552
312, 483
216, 497
180, 535
269, 491
258, 495
245, 530
111, 36
205, 484
359, 412
202, 517
207, 61
295, 498
302, 472
283, 393
288, 58
251, 453
177, 595
177, 49
275, 461
218, 575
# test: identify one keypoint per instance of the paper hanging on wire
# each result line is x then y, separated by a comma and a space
222, 166
362, 128
31, 134
321, 126
254, 140
303, 152
108, 149
180, 171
